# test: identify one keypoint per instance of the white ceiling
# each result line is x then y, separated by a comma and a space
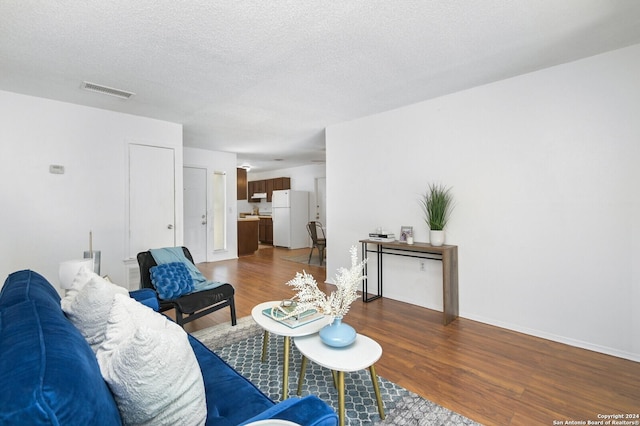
264, 78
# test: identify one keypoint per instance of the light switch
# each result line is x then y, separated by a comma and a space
56, 169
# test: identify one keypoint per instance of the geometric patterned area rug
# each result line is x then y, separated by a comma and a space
241, 347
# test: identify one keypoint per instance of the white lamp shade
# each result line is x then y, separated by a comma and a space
69, 269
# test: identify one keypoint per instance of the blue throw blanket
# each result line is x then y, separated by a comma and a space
175, 254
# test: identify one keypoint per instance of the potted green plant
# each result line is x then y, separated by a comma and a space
437, 204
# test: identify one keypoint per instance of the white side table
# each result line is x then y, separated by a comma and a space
361, 354
272, 326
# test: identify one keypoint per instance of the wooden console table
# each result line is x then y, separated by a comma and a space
447, 254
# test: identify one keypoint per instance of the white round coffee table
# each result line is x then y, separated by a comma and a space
270, 325
361, 354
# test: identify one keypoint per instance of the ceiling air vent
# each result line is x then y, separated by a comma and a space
123, 94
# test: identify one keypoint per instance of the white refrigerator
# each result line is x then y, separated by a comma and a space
290, 215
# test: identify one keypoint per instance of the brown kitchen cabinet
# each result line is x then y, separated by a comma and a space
281, 183
268, 186
256, 186
259, 186
250, 189
248, 230
266, 230
241, 175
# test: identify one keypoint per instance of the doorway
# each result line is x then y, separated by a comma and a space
195, 212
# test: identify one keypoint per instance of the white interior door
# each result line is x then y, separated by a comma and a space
195, 212
151, 198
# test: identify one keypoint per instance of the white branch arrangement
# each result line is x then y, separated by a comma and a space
337, 304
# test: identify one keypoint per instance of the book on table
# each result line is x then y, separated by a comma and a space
306, 317
382, 237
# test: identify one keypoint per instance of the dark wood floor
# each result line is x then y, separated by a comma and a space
491, 375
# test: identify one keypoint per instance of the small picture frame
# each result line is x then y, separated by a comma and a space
405, 231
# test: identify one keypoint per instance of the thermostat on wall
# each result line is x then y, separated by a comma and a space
56, 169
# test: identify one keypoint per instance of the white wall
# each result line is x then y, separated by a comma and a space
544, 171
46, 218
223, 162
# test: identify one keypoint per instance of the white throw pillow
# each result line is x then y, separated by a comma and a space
149, 365
88, 309
83, 276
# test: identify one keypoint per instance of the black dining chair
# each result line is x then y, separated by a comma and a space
316, 232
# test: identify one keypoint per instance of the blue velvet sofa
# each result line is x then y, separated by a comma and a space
49, 374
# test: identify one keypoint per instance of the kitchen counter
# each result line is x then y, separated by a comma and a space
248, 218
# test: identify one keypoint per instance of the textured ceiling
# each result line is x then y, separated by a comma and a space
264, 78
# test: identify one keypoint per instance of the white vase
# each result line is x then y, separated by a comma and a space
436, 238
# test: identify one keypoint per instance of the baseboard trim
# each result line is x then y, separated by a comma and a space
555, 338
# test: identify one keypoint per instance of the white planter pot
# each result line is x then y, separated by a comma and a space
436, 238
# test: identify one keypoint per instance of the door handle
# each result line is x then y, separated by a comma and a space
170, 226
